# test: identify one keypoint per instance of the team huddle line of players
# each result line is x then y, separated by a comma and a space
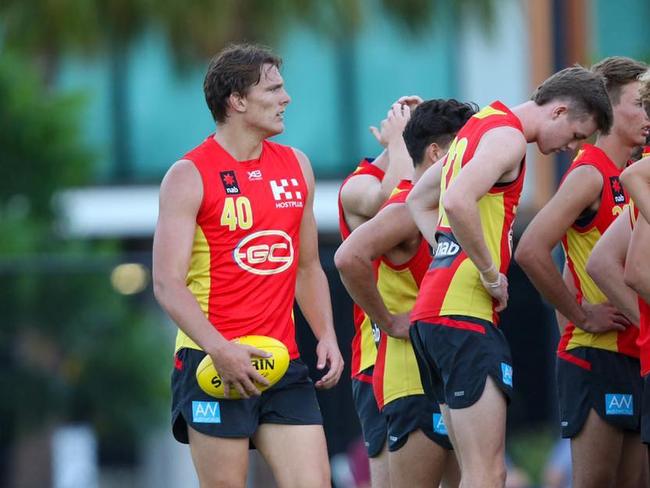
427, 241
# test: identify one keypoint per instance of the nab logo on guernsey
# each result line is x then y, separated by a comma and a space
439, 426
265, 252
283, 194
229, 181
206, 412
619, 404
506, 373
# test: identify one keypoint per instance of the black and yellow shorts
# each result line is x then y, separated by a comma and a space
291, 401
373, 424
456, 354
607, 381
411, 413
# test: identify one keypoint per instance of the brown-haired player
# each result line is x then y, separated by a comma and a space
360, 197
236, 239
419, 448
455, 333
597, 367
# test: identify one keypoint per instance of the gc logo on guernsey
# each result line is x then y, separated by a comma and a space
265, 252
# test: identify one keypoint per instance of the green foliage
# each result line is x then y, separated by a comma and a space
72, 349
530, 449
40, 144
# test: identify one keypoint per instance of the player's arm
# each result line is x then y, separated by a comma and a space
423, 201
637, 265
312, 290
567, 277
578, 192
363, 195
498, 155
636, 180
606, 266
354, 260
172, 247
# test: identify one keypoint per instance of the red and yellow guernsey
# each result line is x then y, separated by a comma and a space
643, 341
245, 252
364, 349
578, 243
396, 373
646, 152
452, 285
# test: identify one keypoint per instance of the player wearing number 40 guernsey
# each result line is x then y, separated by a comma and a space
599, 387
236, 238
417, 440
462, 353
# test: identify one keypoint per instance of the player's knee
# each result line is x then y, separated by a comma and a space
222, 480
317, 478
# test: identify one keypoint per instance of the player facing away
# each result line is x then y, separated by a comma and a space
361, 195
235, 239
419, 448
455, 331
599, 387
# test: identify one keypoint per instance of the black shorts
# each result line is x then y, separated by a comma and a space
410, 413
291, 401
606, 381
373, 423
645, 410
455, 356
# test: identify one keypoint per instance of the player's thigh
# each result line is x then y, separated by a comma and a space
379, 469
596, 453
632, 469
420, 462
229, 454
297, 454
481, 441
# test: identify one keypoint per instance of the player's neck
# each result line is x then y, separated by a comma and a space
242, 145
615, 149
528, 114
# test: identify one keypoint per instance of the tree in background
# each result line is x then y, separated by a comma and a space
72, 350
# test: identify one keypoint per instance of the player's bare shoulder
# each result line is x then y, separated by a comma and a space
305, 165
182, 185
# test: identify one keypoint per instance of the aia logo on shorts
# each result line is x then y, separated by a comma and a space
229, 181
617, 190
265, 252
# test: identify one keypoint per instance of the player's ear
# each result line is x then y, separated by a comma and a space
237, 102
559, 109
433, 153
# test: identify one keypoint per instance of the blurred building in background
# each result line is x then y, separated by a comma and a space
139, 106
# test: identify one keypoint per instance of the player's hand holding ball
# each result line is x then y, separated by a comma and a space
244, 367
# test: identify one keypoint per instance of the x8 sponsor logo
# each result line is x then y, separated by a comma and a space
265, 252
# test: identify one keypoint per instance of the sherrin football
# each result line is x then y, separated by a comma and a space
272, 368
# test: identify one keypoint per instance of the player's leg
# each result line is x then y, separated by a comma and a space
420, 462
596, 453
373, 428
232, 456
379, 469
198, 419
418, 444
481, 442
632, 469
453, 469
297, 454
290, 433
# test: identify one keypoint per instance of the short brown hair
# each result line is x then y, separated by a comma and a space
618, 71
583, 89
234, 70
645, 91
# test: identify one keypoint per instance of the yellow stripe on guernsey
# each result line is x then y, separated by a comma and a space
466, 295
398, 290
368, 346
580, 245
198, 282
